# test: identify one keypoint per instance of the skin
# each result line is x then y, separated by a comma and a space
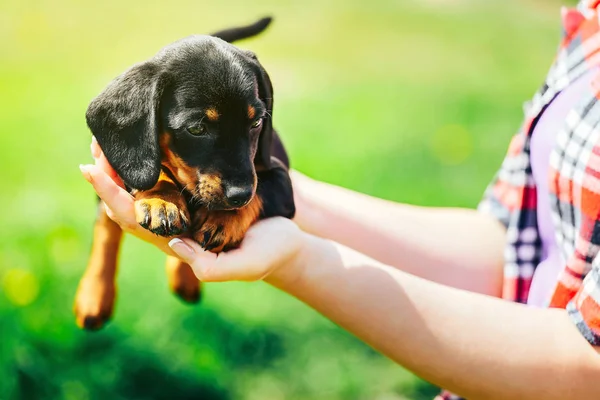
473, 344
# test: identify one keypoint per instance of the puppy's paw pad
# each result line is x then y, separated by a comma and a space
161, 217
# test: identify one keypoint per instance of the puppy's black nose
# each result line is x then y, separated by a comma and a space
238, 196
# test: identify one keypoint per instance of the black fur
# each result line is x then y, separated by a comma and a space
234, 34
275, 189
125, 121
171, 93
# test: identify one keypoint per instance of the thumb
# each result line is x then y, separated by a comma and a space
199, 259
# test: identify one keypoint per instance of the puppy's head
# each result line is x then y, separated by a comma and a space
202, 108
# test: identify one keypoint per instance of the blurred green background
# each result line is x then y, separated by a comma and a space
413, 101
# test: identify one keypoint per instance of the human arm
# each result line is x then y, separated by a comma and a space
458, 247
475, 345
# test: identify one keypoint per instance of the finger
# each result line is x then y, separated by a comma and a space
101, 161
194, 255
95, 148
115, 197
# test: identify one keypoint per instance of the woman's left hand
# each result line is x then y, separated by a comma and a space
271, 248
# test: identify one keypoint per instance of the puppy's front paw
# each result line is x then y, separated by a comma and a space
162, 217
220, 231
224, 230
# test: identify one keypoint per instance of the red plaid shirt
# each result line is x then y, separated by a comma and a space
574, 182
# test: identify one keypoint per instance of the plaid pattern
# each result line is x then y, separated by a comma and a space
574, 182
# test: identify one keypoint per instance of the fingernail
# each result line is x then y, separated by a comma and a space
182, 249
85, 171
95, 149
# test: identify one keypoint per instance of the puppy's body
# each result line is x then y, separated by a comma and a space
190, 133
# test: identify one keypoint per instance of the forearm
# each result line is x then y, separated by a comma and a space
444, 245
475, 345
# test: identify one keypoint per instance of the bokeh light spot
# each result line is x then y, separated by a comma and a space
451, 144
64, 245
74, 390
20, 286
207, 359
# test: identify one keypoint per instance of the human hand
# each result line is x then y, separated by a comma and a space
271, 248
118, 203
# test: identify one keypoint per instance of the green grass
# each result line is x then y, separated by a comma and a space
413, 101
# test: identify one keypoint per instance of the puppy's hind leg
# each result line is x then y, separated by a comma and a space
182, 280
95, 296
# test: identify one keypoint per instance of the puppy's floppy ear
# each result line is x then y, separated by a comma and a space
265, 140
124, 118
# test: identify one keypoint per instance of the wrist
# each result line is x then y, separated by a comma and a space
291, 271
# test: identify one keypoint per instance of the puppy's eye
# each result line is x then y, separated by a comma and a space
197, 130
256, 123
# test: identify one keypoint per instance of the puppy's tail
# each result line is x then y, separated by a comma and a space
242, 32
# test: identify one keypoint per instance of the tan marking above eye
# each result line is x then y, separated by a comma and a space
251, 112
212, 114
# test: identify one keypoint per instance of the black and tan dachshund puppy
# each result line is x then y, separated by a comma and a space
190, 133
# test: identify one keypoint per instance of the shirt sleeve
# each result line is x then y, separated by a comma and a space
502, 196
584, 308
